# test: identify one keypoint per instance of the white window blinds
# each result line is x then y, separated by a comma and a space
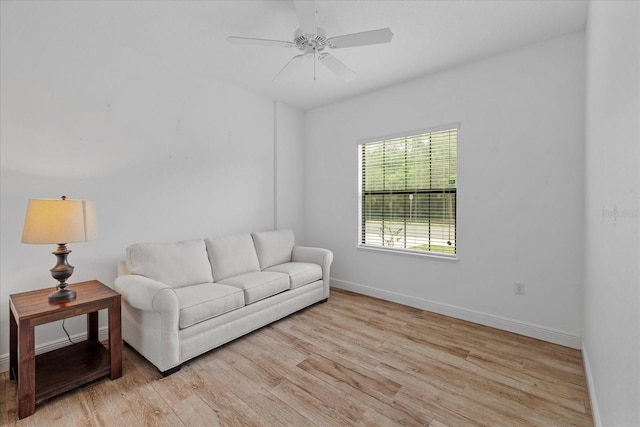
408, 192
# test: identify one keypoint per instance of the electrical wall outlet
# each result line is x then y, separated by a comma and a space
518, 288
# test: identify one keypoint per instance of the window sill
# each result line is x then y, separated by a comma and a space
434, 255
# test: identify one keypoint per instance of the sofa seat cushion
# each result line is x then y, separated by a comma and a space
175, 264
300, 273
258, 285
232, 255
207, 300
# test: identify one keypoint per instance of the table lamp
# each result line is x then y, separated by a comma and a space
60, 221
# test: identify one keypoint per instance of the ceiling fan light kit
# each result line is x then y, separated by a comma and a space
311, 40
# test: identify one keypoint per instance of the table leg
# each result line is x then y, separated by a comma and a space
92, 326
27, 371
13, 345
115, 339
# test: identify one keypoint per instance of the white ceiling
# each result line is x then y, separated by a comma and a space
429, 36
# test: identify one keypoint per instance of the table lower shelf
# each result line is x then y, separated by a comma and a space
66, 368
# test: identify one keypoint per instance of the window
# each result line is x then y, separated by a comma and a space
408, 193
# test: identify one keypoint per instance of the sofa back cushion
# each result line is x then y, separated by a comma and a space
273, 247
232, 255
175, 264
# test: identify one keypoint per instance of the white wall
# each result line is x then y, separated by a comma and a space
290, 170
164, 152
612, 255
520, 194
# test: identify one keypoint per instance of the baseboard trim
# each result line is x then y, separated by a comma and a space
591, 388
523, 328
103, 334
503, 323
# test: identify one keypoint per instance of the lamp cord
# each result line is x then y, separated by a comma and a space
66, 332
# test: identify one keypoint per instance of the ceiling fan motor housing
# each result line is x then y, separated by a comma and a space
308, 43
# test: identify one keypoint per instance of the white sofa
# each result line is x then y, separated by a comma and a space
182, 299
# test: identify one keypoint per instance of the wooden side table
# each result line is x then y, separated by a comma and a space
49, 374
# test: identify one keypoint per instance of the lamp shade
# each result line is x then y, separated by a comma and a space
59, 221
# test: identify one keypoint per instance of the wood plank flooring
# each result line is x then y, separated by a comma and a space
354, 360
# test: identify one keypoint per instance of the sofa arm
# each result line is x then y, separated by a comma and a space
147, 294
150, 319
320, 256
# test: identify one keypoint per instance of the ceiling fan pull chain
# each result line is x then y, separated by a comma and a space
315, 54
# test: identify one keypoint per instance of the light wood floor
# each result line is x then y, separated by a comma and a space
354, 360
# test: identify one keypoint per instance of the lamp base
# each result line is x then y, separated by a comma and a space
62, 295
61, 272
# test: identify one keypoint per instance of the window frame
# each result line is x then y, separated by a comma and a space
396, 250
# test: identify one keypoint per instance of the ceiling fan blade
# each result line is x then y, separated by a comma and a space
335, 65
383, 35
260, 42
306, 10
291, 66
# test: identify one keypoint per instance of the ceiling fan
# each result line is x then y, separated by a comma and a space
312, 41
